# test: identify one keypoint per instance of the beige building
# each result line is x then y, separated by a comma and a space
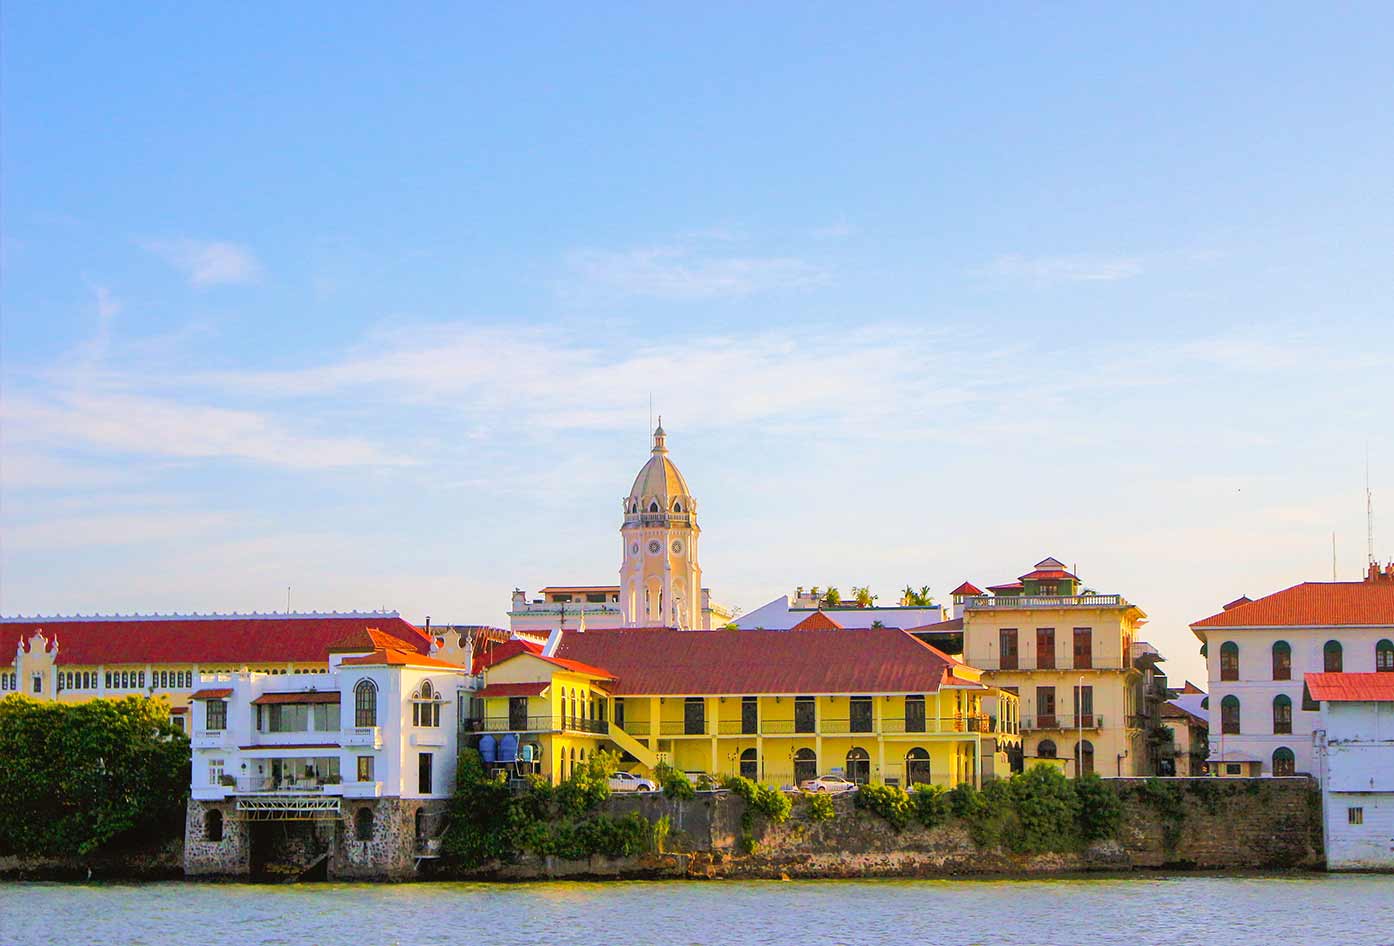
1067, 655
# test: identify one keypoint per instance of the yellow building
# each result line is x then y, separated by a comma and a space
1067, 655
779, 707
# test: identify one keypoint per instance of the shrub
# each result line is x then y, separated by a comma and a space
888, 801
1047, 810
820, 807
674, 782
661, 829
1100, 811
966, 801
931, 805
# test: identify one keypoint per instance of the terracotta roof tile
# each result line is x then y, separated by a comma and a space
319, 696
817, 621
967, 589
397, 658
213, 693
851, 660
1314, 604
1351, 687
513, 689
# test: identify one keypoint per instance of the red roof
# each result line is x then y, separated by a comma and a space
953, 624
319, 696
817, 621
1351, 687
851, 660
491, 653
397, 658
967, 589
205, 641
513, 689
216, 693
1242, 599
1049, 574
1008, 586
1314, 604
371, 638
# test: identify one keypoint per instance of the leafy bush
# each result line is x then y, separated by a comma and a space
78, 777
966, 801
674, 782
931, 804
820, 807
888, 801
1100, 811
1047, 810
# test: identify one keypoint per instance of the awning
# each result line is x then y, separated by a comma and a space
328, 696
220, 693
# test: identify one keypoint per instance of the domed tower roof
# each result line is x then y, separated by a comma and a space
659, 480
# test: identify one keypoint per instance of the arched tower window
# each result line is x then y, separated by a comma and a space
677, 505
1229, 661
1282, 714
1229, 715
1282, 660
1331, 657
1384, 657
365, 703
1284, 762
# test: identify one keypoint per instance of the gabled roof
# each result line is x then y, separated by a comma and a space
1049, 574
1351, 687
967, 589
397, 658
817, 621
514, 689
695, 663
1313, 604
1005, 586
362, 639
953, 624
212, 693
485, 657
206, 641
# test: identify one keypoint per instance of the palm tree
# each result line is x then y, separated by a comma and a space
832, 597
926, 599
863, 596
878, 623
909, 597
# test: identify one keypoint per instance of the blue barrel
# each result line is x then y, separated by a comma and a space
486, 748
508, 747
527, 753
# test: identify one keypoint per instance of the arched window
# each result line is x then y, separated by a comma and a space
805, 766
1229, 661
677, 506
858, 765
1384, 657
1229, 716
572, 769
750, 765
574, 718
365, 703
213, 825
425, 706
363, 824
1282, 714
1045, 749
1084, 757
1282, 660
1284, 762
916, 767
653, 507
1331, 657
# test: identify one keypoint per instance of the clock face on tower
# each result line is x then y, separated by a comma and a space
677, 547
655, 547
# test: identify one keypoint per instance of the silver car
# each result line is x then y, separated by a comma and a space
629, 782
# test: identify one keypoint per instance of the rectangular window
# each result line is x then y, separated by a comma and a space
1084, 648
518, 713
215, 771
1084, 706
178, 722
859, 713
619, 712
1007, 643
1045, 707
805, 715
365, 768
750, 715
1355, 816
327, 717
215, 715
1231, 768
288, 717
1045, 648
914, 714
38, 682
423, 772
694, 716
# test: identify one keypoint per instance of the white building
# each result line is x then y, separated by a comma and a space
787, 611
353, 767
1355, 748
660, 571
1258, 651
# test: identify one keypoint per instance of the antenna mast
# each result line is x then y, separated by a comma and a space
1369, 511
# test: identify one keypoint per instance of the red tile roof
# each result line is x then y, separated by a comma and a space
953, 624
967, 589
1048, 574
513, 689
1314, 604
204, 641
214, 693
693, 663
319, 696
491, 653
1242, 599
397, 658
817, 621
1351, 687
1007, 586
363, 639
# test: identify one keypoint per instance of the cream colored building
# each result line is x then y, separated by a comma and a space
660, 570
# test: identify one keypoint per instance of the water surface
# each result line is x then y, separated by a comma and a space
1340, 910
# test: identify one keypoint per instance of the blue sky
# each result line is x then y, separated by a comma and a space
373, 305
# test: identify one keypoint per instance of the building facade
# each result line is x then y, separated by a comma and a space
351, 768
660, 577
1355, 763
1067, 654
1258, 651
776, 706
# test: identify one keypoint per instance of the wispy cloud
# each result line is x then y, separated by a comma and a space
680, 274
1056, 269
208, 263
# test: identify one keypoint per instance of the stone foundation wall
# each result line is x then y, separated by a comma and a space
391, 852
230, 857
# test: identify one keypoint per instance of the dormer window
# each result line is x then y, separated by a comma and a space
653, 507
677, 506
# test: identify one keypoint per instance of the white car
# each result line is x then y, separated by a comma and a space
828, 785
628, 782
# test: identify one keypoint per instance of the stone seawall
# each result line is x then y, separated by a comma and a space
1190, 824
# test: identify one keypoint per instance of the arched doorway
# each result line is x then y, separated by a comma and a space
750, 765
1045, 749
917, 767
858, 766
213, 825
1084, 757
805, 766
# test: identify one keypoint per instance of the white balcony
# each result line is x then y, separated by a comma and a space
428, 737
361, 789
362, 736
211, 739
308, 737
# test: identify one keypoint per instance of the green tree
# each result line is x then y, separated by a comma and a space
79, 777
832, 597
863, 596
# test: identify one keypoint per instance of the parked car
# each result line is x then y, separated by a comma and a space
703, 781
828, 785
629, 782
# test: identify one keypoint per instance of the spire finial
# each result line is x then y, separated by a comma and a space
659, 437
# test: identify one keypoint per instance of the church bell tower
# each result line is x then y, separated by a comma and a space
660, 580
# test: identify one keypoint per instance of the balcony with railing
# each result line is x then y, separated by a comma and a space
545, 723
211, 739
362, 736
1064, 721
1018, 602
